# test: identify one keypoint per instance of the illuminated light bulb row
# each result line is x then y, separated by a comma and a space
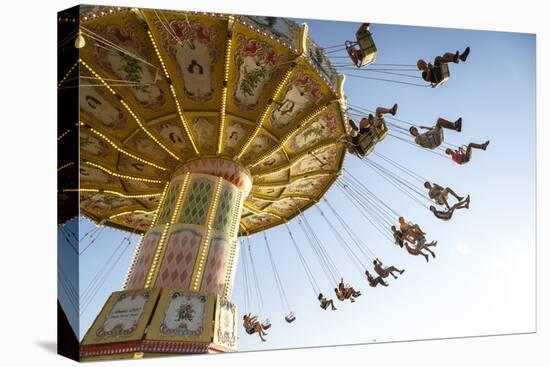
114, 145
161, 201
159, 253
286, 196
157, 52
129, 109
227, 62
131, 212
203, 252
266, 34
142, 126
234, 249
120, 194
68, 73
63, 135
266, 111
115, 174
229, 269
132, 263
173, 92
155, 260
183, 120
65, 166
101, 14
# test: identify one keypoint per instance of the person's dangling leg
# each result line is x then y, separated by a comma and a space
465, 54
447, 58
430, 251
451, 191
381, 111
391, 269
457, 125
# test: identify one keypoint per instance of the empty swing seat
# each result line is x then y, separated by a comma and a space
266, 324
290, 317
441, 74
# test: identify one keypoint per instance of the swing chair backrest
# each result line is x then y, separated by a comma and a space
366, 44
441, 74
381, 129
367, 144
366, 141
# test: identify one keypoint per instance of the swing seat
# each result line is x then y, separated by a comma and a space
290, 318
366, 45
366, 143
373, 136
266, 324
250, 331
441, 74
381, 129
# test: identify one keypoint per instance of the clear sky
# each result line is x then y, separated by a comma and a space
483, 279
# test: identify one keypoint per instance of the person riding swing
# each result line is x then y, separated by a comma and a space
385, 272
411, 232
461, 156
440, 194
448, 214
368, 126
433, 136
437, 73
252, 325
373, 282
344, 292
324, 302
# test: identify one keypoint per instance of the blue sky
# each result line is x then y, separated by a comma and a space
483, 279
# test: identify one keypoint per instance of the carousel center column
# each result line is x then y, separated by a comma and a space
176, 297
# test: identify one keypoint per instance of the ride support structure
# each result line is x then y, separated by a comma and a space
187, 257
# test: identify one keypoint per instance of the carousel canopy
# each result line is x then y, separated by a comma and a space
159, 89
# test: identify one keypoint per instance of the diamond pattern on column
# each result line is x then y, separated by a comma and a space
179, 259
195, 207
216, 264
225, 209
143, 262
169, 203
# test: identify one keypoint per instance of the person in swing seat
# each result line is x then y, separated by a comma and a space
448, 214
367, 126
356, 54
433, 136
411, 232
429, 71
373, 282
461, 156
368, 123
440, 194
352, 143
397, 236
421, 245
324, 302
385, 272
343, 292
252, 325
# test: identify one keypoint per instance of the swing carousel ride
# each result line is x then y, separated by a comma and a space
197, 129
